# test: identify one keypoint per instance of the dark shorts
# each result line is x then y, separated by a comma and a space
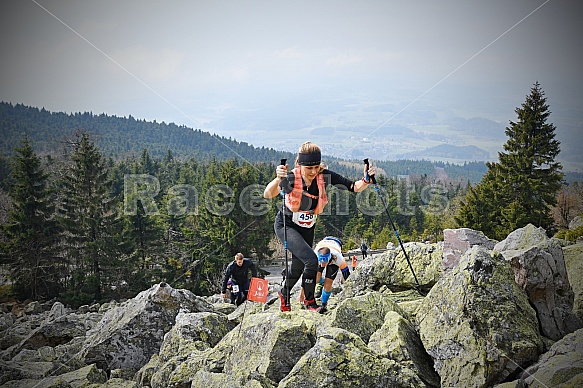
331, 271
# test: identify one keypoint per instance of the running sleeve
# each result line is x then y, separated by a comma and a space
338, 180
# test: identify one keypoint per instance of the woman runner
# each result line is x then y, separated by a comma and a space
305, 198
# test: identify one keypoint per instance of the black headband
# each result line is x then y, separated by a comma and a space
311, 159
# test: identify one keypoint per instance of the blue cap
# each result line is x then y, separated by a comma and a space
324, 257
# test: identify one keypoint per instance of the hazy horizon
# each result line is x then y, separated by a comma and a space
350, 75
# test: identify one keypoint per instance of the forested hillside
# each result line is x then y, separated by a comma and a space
118, 136
121, 137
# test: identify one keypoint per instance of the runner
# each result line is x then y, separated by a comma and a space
305, 199
238, 272
330, 259
363, 248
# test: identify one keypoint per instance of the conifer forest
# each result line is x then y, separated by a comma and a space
115, 204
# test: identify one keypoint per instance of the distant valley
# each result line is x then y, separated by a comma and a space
351, 128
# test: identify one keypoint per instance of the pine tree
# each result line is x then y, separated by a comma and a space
481, 208
434, 218
87, 215
521, 188
143, 243
32, 232
353, 232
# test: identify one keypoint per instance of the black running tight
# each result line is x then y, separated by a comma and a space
304, 261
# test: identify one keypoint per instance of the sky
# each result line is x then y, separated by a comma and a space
205, 63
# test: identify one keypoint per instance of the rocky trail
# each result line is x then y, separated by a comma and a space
496, 314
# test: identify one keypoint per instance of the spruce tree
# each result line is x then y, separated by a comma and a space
31, 232
481, 208
87, 215
521, 188
143, 242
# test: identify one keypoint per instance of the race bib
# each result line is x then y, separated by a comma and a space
235, 288
304, 219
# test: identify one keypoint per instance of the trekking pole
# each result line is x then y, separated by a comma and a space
378, 190
282, 163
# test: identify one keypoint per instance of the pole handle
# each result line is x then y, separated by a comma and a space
282, 162
374, 181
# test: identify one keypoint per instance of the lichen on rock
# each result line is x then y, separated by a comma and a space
341, 359
477, 324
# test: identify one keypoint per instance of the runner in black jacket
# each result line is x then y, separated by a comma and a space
238, 272
305, 199
363, 248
